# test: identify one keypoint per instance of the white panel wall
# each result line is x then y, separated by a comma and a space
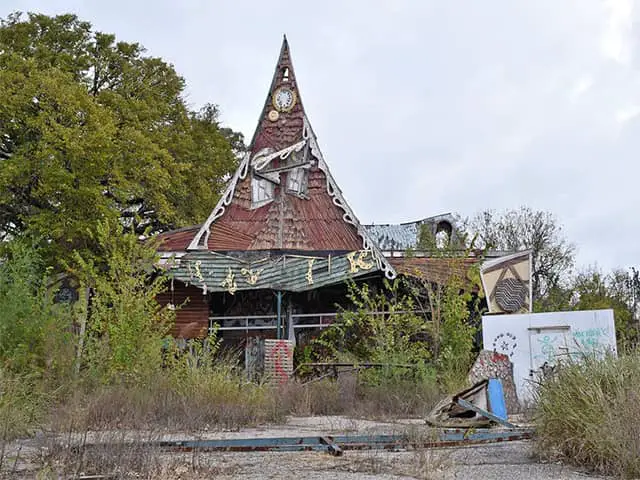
535, 339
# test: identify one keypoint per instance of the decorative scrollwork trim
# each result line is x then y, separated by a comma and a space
201, 238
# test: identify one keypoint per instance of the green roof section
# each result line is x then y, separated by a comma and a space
216, 272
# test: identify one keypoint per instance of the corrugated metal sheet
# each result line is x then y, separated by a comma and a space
313, 223
292, 273
404, 235
177, 240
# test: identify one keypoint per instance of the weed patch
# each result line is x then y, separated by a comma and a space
589, 415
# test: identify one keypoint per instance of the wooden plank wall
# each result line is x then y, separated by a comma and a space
192, 318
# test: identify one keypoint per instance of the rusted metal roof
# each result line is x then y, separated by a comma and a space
314, 218
287, 130
177, 240
435, 269
313, 223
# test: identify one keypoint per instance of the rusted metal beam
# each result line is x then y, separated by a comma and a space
336, 445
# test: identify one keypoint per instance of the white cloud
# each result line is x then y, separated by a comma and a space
615, 39
582, 86
623, 115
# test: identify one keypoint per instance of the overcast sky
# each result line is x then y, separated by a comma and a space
424, 107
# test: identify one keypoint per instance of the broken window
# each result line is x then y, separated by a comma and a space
262, 192
297, 181
442, 239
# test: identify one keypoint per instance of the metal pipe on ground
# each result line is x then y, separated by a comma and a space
336, 445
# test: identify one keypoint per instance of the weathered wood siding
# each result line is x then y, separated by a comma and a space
192, 318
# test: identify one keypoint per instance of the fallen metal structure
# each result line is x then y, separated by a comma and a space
336, 445
479, 406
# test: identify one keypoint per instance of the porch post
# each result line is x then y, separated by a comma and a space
279, 310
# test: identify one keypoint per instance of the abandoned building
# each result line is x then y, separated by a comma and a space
275, 254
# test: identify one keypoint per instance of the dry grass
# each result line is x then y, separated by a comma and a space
419, 464
119, 456
213, 404
589, 415
181, 399
350, 396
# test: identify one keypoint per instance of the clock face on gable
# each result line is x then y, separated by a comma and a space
284, 99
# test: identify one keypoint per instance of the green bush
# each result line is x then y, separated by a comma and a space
126, 328
362, 336
23, 403
35, 333
588, 413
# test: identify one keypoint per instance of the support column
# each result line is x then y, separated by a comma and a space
279, 335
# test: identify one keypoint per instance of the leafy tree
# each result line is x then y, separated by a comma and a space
522, 229
92, 128
594, 290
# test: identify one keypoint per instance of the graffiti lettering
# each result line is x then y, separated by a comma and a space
590, 339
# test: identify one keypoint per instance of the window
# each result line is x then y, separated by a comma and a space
297, 181
443, 234
442, 239
262, 191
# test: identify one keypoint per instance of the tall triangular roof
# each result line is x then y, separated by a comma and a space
283, 196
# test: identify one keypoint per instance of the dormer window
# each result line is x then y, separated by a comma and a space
297, 181
262, 191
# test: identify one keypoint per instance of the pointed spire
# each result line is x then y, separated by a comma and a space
282, 118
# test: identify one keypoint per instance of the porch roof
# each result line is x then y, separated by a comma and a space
286, 271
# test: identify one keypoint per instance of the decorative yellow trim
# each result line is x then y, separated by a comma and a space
309, 275
230, 282
251, 276
198, 271
360, 263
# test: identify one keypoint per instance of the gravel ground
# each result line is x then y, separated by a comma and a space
512, 460
508, 461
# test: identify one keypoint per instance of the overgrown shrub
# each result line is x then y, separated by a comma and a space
23, 403
408, 322
588, 413
35, 333
36, 342
382, 327
127, 328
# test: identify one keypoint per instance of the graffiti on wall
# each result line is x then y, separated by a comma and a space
278, 360
506, 343
591, 339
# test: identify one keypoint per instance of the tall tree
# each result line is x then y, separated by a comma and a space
522, 229
92, 128
592, 289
